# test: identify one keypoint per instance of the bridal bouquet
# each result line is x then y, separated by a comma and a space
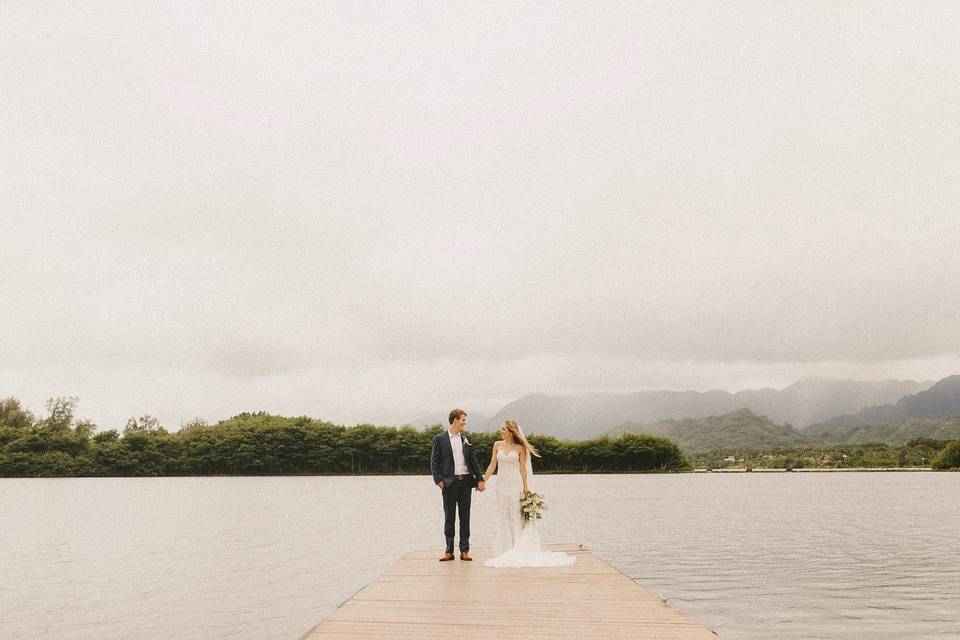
531, 506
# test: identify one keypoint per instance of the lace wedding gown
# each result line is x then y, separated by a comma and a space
518, 545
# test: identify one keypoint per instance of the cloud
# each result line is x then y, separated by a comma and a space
363, 214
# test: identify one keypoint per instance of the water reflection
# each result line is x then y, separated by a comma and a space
792, 556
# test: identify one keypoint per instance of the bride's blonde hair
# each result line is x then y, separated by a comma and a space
518, 436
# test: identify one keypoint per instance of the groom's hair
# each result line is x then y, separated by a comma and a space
456, 413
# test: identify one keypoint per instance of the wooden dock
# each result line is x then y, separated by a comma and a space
421, 598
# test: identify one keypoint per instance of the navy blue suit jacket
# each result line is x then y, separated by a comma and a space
441, 459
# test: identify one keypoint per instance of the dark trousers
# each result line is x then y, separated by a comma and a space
456, 497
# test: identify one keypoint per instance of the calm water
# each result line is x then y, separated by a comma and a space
872, 555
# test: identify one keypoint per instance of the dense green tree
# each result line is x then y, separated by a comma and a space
264, 444
143, 423
61, 414
949, 458
13, 415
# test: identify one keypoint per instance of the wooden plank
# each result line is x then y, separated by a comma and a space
419, 598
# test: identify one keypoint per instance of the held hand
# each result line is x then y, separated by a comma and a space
481, 486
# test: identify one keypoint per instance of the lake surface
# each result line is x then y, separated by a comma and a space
791, 556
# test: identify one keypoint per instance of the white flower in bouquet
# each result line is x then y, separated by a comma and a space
531, 506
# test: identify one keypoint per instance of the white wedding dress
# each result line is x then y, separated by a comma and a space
518, 545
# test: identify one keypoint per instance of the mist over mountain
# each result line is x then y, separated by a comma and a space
942, 400
805, 402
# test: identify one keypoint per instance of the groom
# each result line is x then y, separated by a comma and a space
456, 471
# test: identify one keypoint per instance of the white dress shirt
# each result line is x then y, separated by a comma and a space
459, 462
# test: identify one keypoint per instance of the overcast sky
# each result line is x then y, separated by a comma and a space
373, 212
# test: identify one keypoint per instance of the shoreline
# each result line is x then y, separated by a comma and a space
551, 473
818, 470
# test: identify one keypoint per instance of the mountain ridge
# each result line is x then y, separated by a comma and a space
805, 402
941, 400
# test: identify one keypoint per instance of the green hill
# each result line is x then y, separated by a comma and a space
892, 433
741, 428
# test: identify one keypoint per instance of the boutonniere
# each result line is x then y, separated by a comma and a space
466, 441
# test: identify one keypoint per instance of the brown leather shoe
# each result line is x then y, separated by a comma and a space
465, 556
447, 557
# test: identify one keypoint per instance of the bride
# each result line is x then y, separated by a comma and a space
518, 545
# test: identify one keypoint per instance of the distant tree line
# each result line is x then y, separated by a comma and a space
918, 452
61, 445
